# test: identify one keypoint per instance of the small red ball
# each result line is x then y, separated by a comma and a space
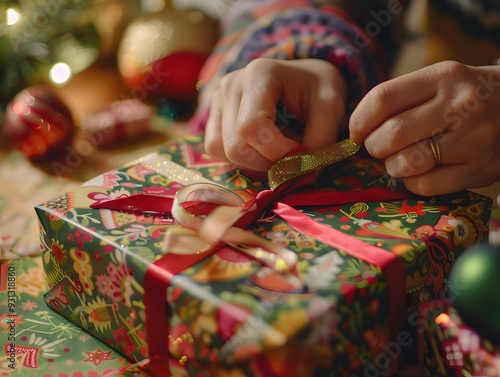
173, 77
38, 123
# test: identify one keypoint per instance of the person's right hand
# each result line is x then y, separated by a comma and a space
242, 127
437, 128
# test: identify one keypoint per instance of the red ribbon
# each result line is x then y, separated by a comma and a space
156, 282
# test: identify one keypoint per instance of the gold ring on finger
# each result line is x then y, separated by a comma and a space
436, 150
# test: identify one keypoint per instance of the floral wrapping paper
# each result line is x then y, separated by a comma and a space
230, 315
449, 348
36, 341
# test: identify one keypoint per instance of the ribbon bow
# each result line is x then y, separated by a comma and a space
199, 232
205, 230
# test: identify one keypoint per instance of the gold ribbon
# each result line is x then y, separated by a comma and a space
296, 165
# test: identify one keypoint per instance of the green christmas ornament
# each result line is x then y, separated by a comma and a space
475, 290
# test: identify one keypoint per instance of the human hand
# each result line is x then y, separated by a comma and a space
456, 105
242, 128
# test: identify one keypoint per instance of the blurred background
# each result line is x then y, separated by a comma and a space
98, 51
79, 47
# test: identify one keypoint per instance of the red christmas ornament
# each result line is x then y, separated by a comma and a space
38, 123
161, 54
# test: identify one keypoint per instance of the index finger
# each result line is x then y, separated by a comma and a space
391, 98
257, 118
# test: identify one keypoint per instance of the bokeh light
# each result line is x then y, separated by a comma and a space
60, 73
12, 16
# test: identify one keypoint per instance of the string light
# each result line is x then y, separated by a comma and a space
37, 35
12, 16
60, 73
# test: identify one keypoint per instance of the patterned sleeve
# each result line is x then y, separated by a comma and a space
349, 34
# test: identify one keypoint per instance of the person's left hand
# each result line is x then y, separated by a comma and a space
243, 127
449, 107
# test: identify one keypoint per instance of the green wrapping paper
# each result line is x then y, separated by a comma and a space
229, 315
36, 342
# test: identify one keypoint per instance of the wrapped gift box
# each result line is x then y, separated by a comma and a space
367, 251
451, 348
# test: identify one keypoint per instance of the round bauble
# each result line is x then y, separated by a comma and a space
475, 290
161, 55
38, 123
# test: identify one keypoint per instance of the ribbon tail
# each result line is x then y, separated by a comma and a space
298, 164
330, 197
